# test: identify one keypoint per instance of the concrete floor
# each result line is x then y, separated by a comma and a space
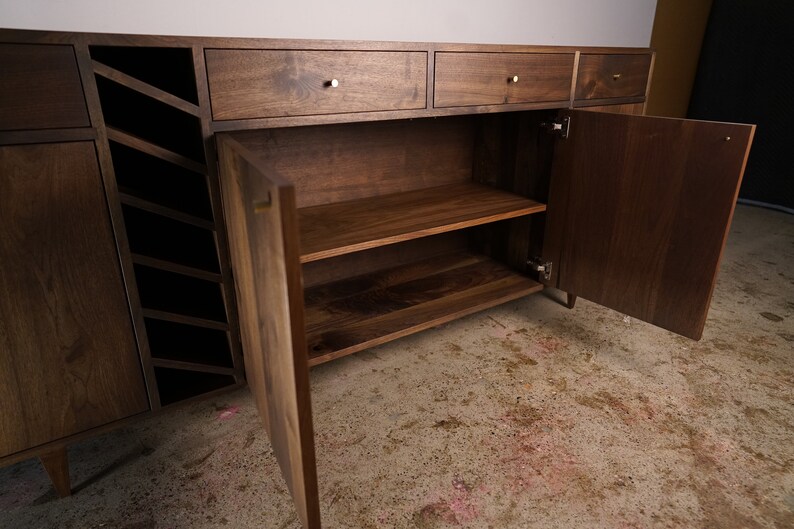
525, 416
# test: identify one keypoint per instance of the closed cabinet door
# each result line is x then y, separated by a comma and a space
639, 210
68, 357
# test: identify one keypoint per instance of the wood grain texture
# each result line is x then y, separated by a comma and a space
40, 88
635, 109
266, 83
56, 463
357, 313
639, 212
70, 361
359, 117
382, 257
333, 163
344, 227
513, 153
264, 249
467, 79
612, 75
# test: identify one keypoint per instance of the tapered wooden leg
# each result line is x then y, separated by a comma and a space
56, 464
571, 300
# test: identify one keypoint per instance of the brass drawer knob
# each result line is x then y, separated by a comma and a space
333, 83
514, 79
615, 76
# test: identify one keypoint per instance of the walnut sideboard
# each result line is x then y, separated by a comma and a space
170, 205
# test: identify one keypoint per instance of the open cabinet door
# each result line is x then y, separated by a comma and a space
639, 210
263, 236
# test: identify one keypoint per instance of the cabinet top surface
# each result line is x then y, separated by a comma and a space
64, 37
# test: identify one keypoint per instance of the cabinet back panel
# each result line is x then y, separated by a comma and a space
334, 163
514, 153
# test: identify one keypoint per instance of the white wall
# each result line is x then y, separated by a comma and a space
563, 22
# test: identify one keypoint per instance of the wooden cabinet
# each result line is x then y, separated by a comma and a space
631, 200
69, 360
370, 191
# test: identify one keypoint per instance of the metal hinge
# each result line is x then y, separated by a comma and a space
558, 126
541, 267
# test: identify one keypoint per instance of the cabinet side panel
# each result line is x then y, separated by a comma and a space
263, 236
69, 360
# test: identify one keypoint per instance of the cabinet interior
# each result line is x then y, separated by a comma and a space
404, 225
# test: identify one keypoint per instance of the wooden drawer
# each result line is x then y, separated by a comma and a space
604, 76
40, 88
468, 79
247, 84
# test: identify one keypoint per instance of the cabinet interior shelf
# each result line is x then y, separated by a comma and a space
344, 227
347, 316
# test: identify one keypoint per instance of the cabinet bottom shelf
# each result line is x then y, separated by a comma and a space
350, 315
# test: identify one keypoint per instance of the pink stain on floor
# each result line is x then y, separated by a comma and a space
458, 509
546, 346
228, 413
464, 509
534, 462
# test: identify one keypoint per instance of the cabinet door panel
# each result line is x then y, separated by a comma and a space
639, 210
68, 357
40, 88
263, 234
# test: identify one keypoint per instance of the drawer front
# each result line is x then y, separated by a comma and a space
469, 79
603, 76
247, 84
40, 88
